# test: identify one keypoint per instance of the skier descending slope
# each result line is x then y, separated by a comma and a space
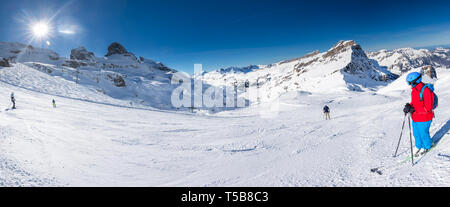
54, 103
326, 111
423, 101
13, 100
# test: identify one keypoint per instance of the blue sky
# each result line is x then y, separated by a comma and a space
219, 33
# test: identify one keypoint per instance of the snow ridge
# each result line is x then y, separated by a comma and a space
344, 67
400, 61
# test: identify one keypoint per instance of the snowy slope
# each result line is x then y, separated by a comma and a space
26, 77
119, 74
92, 144
96, 137
400, 61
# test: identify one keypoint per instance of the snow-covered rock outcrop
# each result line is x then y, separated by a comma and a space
402, 60
430, 71
81, 54
4, 62
119, 74
17, 52
117, 49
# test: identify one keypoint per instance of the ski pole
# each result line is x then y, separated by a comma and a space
401, 133
410, 140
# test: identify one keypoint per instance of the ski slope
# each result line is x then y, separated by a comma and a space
94, 140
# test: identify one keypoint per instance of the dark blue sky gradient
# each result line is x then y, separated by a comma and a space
229, 33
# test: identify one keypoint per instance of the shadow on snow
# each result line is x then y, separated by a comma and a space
440, 134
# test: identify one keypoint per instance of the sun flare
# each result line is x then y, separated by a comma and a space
40, 29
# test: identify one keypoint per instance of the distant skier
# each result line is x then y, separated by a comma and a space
326, 112
423, 102
54, 103
13, 100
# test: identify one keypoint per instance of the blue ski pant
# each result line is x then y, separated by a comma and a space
421, 131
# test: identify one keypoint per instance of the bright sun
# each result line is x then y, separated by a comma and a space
40, 29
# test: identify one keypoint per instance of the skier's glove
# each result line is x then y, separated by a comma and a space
408, 109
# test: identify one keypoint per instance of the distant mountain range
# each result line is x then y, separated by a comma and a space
122, 75
402, 60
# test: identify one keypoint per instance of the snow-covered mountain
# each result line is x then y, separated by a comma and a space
17, 52
247, 69
80, 143
122, 75
119, 74
342, 68
402, 60
95, 138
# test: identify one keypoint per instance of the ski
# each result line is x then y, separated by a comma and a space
425, 153
379, 171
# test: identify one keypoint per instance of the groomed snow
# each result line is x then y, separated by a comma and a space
87, 143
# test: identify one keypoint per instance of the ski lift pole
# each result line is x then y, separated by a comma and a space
401, 133
410, 140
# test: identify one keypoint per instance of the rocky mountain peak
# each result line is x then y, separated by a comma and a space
116, 48
429, 70
4, 62
342, 46
81, 53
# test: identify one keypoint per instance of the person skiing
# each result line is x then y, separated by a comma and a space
421, 110
326, 111
54, 103
13, 100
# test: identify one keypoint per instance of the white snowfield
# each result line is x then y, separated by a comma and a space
91, 139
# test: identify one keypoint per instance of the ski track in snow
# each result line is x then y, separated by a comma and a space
81, 143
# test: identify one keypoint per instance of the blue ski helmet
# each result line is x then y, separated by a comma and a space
414, 78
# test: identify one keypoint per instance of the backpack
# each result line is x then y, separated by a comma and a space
431, 87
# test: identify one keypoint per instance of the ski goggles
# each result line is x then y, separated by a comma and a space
414, 82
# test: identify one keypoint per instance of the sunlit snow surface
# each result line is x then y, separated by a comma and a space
91, 139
